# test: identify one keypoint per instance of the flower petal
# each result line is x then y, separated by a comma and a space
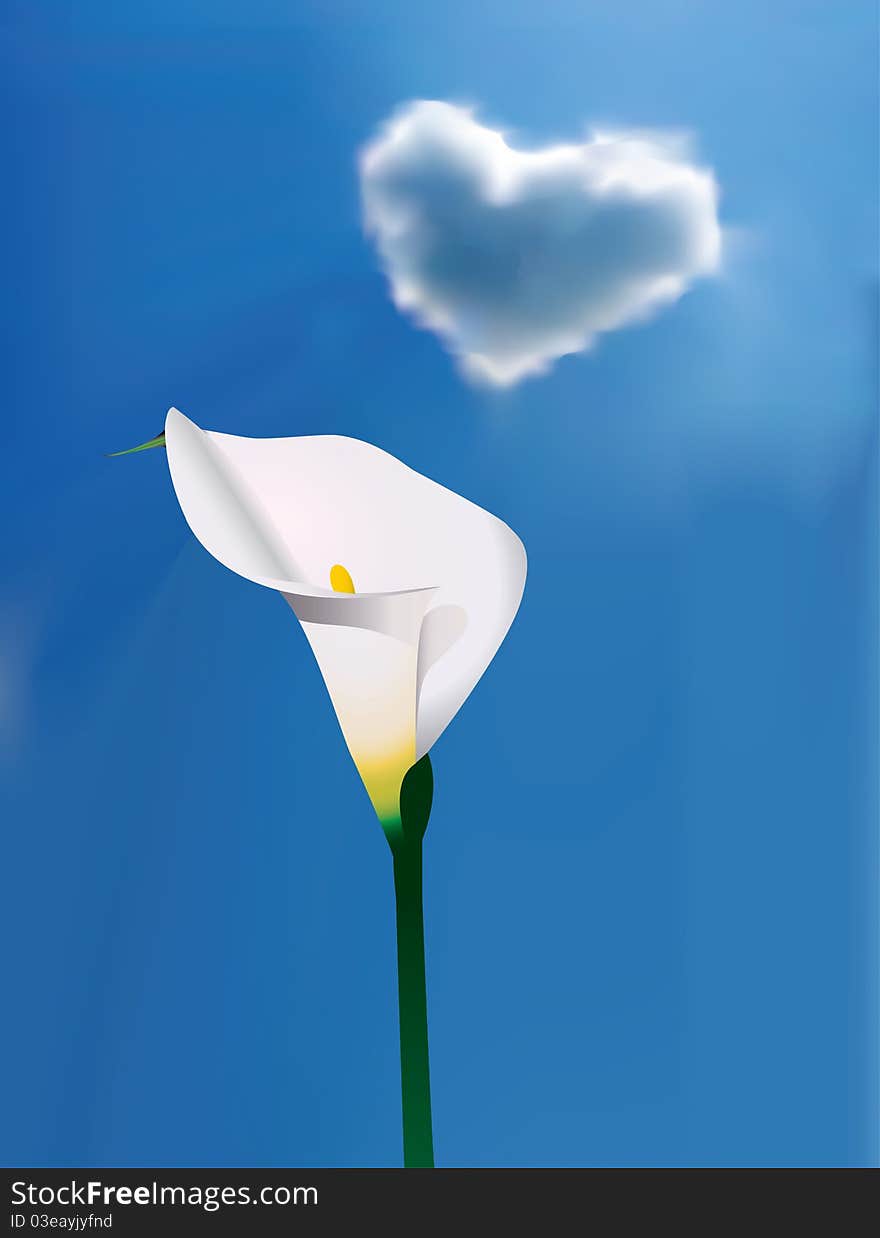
281, 512
367, 649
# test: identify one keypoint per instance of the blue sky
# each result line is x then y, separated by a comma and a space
651, 868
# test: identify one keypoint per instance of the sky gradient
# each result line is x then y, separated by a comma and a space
651, 885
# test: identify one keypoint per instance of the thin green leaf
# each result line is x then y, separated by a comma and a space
158, 441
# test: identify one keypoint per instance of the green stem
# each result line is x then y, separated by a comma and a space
418, 1141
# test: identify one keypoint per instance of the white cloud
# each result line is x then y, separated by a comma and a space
516, 258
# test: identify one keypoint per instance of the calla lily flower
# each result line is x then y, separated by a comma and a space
404, 589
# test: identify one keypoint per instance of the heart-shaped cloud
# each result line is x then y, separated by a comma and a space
516, 258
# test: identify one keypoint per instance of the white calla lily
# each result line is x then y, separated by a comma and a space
438, 580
